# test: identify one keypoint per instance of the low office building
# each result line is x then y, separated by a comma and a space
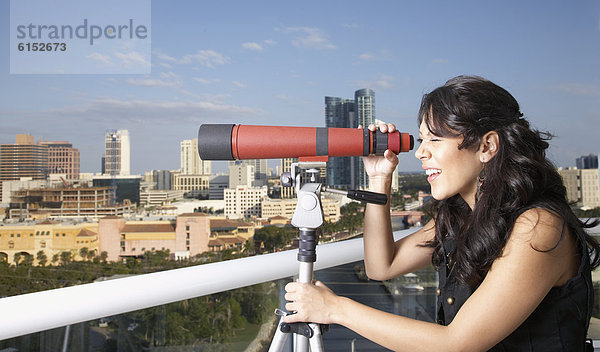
153, 198
67, 202
582, 186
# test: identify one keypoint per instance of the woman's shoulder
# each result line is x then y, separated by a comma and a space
542, 228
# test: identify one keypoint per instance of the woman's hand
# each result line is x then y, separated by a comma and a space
312, 303
381, 166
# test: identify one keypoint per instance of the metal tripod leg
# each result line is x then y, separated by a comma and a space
306, 258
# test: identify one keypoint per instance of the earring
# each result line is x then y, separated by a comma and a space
480, 179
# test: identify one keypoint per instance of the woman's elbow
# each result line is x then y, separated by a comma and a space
377, 275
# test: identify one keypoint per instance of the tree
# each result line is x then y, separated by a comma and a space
66, 257
91, 254
17, 258
42, 258
27, 259
274, 237
83, 252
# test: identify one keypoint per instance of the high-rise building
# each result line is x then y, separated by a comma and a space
365, 115
260, 170
286, 166
241, 174
117, 153
23, 159
587, 161
62, 159
339, 112
244, 201
162, 179
191, 164
347, 113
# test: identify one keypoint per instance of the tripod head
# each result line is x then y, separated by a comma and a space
311, 169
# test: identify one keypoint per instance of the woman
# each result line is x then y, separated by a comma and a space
513, 260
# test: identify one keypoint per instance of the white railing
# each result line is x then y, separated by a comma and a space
44, 310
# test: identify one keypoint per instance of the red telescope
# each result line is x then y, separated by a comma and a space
234, 142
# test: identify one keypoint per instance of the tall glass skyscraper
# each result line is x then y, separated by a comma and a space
364, 99
348, 172
339, 112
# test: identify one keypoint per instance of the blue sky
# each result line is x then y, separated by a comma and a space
273, 62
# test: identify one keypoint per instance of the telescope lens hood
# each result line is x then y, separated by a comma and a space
214, 141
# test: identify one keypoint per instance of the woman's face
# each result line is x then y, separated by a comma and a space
450, 170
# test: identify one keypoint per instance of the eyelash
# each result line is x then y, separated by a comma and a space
420, 140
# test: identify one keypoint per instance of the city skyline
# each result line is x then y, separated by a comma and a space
274, 64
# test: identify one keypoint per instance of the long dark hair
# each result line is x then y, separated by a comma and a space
518, 178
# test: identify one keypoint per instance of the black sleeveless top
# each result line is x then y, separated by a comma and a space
559, 323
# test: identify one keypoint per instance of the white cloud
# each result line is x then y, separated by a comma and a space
239, 84
366, 57
202, 80
577, 89
168, 79
132, 58
252, 46
439, 61
310, 37
350, 25
137, 110
164, 57
270, 42
207, 58
100, 57
383, 81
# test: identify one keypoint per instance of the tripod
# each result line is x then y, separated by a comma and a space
308, 217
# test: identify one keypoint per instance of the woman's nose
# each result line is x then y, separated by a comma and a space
421, 152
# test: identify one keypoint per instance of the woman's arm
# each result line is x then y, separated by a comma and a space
512, 289
385, 258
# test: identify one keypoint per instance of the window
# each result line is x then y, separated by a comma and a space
43, 244
11, 244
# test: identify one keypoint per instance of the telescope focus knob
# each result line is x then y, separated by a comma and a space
286, 179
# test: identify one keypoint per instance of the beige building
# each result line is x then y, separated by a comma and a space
582, 186
50, 237
241, 174
244, 201
185, 237
191, 164
188, 183
286, 207
153, 197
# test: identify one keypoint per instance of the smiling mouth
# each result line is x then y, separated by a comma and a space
432, 174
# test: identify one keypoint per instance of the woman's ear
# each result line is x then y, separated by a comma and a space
490, 142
